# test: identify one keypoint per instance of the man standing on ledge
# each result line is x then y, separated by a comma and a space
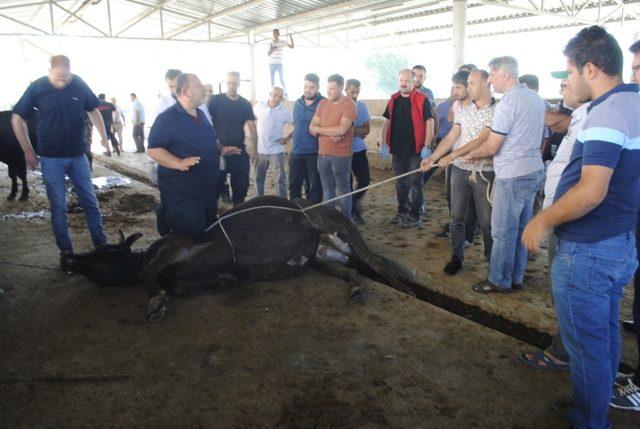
276, 53
183, 143
62, 100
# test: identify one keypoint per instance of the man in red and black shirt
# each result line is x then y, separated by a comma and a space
106, 110
408, 128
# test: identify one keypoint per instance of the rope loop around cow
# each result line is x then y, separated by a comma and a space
300, 209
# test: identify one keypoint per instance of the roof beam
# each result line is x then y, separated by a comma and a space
142, 15
504, 4
209, 18
79, 18
23, 23
315, 15
15, 6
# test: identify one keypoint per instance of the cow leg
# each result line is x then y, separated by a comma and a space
14, 183
25, 187
351, 276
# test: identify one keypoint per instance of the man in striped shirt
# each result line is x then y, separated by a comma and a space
276, 52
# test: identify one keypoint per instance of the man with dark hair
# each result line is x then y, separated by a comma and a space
419, 76
182, 142
107, 111
229, 113
467, 67
408, 128
595, 213
627, 394
333, 124
63, 101
303, 160
137, 120
469, 183
514, 144
275, 54
359, 162
168, 100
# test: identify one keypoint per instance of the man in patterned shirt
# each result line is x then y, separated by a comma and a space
469, 130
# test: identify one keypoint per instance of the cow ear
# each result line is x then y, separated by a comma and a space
131, 239
121, 237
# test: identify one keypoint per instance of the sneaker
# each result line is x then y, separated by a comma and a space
626, 397
629, 325
622, 379
357, 218
467, 243
442, 235
106, 154
453, 266
398, 219
67, 262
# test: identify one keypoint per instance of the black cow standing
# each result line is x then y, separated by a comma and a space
12, 154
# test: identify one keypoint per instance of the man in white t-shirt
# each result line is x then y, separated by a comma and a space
276, 52
271, 117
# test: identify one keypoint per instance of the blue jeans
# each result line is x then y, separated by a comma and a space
273, 68
587, 283
77, 168
335, 175
264, 160
512, 209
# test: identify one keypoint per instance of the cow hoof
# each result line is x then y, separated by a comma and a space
356, 294
11, 197
157, 307
24, 197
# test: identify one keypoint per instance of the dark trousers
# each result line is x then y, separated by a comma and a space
464, 194
187, 215
359, 169
238, 167
472, 216
408, 188
636, 308
138, 136
304, 168
112, 138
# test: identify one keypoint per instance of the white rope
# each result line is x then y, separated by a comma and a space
300, 209
474, 179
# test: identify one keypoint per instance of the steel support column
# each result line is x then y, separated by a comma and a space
459, 31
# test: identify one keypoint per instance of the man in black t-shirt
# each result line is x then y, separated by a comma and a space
408, 128
106, 110
229, 113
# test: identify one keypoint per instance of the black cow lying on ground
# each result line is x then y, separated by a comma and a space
12, 154
266, 238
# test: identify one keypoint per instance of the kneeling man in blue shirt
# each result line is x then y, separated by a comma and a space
184, 144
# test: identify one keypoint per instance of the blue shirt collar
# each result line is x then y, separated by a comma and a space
623, 87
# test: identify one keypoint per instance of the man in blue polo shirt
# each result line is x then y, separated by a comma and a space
303, 161
63, 101
184, 144
359, 161
594, 215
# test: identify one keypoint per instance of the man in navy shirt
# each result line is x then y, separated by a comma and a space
184, 144
594, 215
62, 100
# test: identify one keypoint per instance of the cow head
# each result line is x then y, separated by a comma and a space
111, 264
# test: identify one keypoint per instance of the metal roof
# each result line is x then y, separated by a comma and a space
366, 23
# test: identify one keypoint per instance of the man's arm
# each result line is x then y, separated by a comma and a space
385, 127
98, 122
362, 131
428, 137
558, 122
337, 131
253, 138
443, 148
583, 197
466, 149
487, 149
168, 160
21, 131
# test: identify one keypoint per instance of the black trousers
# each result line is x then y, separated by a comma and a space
238, 167
112, 138
408, 188
186, 215
304, 168
359, 169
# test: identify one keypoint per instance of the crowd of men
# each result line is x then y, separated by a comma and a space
582, 156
